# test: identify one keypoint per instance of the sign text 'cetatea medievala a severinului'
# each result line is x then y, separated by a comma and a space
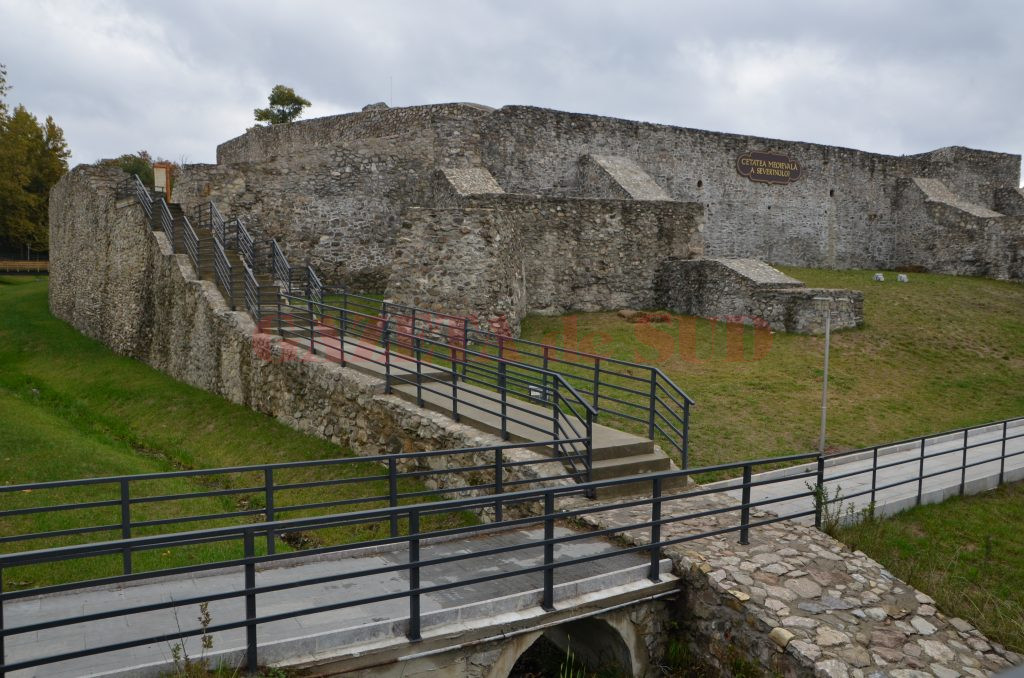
768, 168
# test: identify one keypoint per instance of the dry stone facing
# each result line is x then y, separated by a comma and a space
840, 614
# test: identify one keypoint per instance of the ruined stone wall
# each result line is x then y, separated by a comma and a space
332, 190
512, 254
841, 213
940, 232
115, 280
747, 290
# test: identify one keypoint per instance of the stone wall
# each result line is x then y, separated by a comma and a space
940, 231
332, 190
750, 291
504, 254
115, 280
842, 213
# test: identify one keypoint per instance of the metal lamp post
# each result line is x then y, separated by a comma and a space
825, 304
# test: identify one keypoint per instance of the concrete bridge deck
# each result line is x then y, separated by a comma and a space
353, 631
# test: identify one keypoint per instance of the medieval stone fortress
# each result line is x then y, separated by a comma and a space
519, 210
259, 279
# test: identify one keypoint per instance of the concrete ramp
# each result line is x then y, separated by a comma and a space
619, 177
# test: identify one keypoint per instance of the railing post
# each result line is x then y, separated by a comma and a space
312, 330
654, 396
554, 414
874, 473
963, 466
745, 507
655, 572
3, 655
820, 495
465, 346
418, 355
384, 319
387, 359
548, 604
502, 368
249, 546
268, 501
259, 303
1002, 456
589, 444
544, 377
597, 381
414, 575
393, 493
686, 434
342, 318
126, 526
499, 482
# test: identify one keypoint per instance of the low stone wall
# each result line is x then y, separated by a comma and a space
751, 291
117, 281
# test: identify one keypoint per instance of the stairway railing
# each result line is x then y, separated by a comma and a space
224, 273
623, 390
190, 239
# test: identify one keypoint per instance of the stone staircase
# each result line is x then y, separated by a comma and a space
616, 453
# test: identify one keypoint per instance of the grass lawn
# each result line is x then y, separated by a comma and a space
70, 408
936, 353
967, 553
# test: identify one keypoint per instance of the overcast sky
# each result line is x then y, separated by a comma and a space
179, 77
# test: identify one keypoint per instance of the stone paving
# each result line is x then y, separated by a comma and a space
800, 603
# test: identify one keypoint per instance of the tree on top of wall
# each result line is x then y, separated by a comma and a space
285, 106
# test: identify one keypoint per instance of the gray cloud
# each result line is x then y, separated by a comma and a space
179, 79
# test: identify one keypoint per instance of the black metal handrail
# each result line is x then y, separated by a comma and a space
409, 539
224, 273
322, 330
133, 187
963, 448
246, 245
273, 488
634, 392
163, 214
190, 239
251, 292
206, 215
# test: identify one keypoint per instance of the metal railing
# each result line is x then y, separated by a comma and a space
208, 216
452, 377
224, 273
165, 220
133, 187
641, 395
409, 539
246, 245
251, 293
914, 452
190, 240
278, 486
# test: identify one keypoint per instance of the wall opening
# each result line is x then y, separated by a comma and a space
700, 183
831, 192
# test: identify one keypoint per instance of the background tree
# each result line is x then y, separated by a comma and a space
285, 106
140, 163
33, 157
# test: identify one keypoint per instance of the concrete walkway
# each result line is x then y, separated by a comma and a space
326, 632
907, 465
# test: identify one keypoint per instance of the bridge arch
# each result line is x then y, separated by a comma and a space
611, 639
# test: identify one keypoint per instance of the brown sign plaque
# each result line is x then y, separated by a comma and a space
768, 168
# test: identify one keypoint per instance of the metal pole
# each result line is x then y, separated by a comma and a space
126, 526
414, 575
499, 483
655, 571
250, 601
502, 367
920, 475
745, 506
963, 466
824, 383
1002, 456
268, 496
820, 494
548, 604
393, 493
874, 474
